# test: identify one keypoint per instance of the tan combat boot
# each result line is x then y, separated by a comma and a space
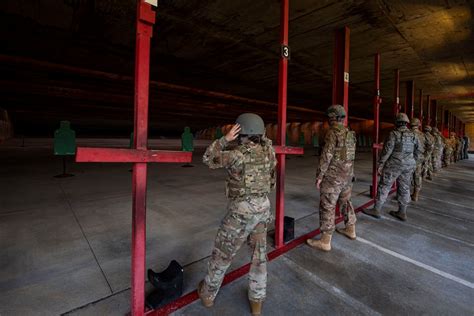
349, 231
401, 215
205, 300
415, 195
374, 212
256, 307
323, 244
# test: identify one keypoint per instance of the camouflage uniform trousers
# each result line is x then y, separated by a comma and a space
418, 176
245, 221
390, 174
333, 192
436, 160
447, 156
428, 164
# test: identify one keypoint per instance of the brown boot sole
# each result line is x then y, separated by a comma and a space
395, 214
316, 244
343, 232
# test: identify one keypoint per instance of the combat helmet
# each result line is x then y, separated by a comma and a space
435, 129
336, 111
402, 117
427, 128
250, 124
415, 122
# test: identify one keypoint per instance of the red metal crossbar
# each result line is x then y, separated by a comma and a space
376, 104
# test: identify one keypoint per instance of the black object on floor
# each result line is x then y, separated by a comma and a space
288, 228
168, 284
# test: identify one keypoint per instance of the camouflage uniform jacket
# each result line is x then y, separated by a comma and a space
438, 142
220, 154
336, 163
422, 141
401, 148
429, 145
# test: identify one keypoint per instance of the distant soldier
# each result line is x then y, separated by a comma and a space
417, 175
448, 151
396, 163
250, 168
429, 148
437, 149
334, 179
466, 147
458, 149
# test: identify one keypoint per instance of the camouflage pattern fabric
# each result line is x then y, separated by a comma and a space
247, 216
467, 143
336, 170
458, 148
417, 175
437, 151
428, 161
448, 151
398, 159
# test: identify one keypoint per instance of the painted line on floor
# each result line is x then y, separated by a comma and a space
444, 201
239, 272
328, 287
418, 263
430, 231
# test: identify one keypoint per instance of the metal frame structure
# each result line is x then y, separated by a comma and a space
340, 79
396, 93
140, 156
281, 150
420, 114
376, 145
410, 98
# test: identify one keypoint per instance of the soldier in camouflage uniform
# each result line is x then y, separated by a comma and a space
466, 147
448, 151
334, 179
417, 175
396, 163
458, 148
250, 168
429, 147
437, 149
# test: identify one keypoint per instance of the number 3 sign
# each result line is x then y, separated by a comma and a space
285, 51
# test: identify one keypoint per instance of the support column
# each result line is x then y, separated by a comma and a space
410, 99
376, 104
396, 94
340, 79
145, 21
420, 114
428, 108
281, 135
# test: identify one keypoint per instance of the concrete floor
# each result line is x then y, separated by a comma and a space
65, 243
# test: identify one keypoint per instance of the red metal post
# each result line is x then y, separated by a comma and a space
281, 135
140, 155
396, 94
340, 79
410, 99
376, 105
428, 109
421, 108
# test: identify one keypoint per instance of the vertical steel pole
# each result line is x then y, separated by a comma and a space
421, 108
145, 21
410, 98
340, 79
281, 136
376, 104
428, 108
396, 93
443, 120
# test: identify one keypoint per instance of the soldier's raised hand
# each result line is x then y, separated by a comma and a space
233, 133
318, 184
